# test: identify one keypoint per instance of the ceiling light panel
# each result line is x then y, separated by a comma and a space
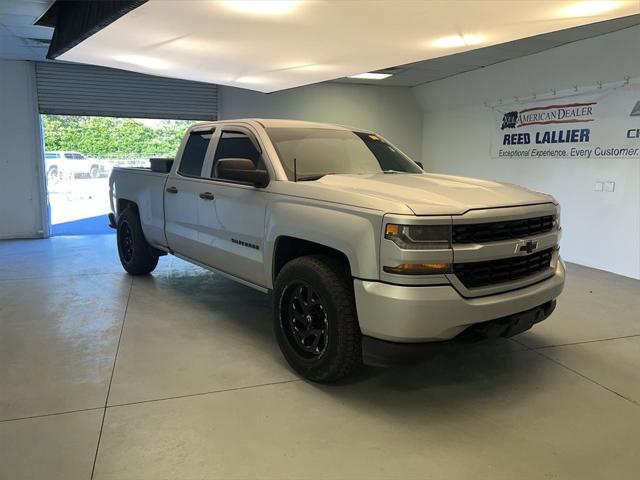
275, 45
588, 8
370, 76
262, 7
458, 41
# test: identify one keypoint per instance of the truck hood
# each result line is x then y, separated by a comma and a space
432, 194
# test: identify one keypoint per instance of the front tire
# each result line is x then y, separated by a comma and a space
136, 255
315, 319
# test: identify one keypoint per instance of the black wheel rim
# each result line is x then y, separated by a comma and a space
125, 239
304, 320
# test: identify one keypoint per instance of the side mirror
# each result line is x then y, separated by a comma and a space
241, 170
420, 165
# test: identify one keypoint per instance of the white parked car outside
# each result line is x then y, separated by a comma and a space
62, 164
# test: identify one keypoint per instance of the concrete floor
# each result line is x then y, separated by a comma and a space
177, 375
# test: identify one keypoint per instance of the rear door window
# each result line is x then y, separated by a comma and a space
194, 153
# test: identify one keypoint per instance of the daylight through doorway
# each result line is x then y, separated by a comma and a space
80, 153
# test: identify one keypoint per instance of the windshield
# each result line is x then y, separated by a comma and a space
320, 151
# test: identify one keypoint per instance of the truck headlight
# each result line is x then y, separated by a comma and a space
419, 237
556, 219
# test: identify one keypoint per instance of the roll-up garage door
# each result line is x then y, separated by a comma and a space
69, 89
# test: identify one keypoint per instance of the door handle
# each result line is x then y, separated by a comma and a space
207, 196
172, 190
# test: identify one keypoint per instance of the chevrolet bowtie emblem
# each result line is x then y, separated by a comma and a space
527, 247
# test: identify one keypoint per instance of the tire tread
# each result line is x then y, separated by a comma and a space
145, 257
337, 280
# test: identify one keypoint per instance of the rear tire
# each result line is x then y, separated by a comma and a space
136, 255
315, 319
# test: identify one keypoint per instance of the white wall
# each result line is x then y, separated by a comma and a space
21, 183
601, 230
390, 111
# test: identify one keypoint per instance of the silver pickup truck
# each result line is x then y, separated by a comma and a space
360, 248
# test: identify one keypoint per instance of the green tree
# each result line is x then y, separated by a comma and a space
112, 137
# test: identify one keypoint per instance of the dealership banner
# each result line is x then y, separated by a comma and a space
604, 124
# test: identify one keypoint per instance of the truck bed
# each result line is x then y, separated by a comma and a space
145, 188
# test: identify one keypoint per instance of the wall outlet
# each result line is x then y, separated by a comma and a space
609, 186
599, 187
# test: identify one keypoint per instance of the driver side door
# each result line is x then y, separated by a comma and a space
231, 234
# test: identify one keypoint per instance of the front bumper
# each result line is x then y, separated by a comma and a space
410, 314
383, 353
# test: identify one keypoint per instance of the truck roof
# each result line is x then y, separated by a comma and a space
282, 123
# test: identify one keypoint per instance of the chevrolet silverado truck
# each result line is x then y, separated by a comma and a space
358, 246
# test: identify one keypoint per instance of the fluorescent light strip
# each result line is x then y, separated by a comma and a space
456, 41
590, 8
262, 7
370, 76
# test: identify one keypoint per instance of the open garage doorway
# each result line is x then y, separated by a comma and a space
81, 151
95, 118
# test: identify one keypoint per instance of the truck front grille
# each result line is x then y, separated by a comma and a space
507, 230
481, 274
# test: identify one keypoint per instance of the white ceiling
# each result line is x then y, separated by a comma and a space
313, 41
20, 40
417, 73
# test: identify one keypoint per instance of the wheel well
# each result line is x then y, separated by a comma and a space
124, 203
288, 248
